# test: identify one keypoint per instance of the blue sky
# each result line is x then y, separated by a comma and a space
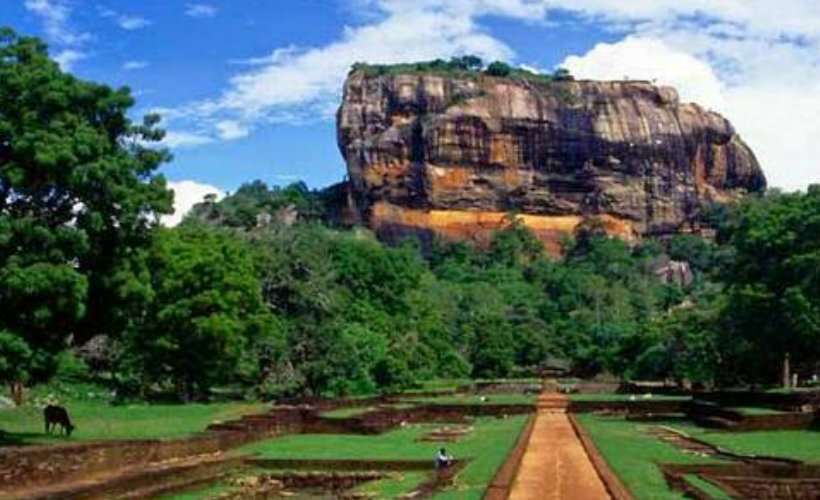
248, 88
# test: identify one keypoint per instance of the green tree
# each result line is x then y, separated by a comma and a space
498, 68
467, 62
773, 306
78, 204
207, 310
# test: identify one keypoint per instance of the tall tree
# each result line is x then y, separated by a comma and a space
773, 283
78, 201
207, 310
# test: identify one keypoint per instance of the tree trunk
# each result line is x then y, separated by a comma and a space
786, 372
17, 392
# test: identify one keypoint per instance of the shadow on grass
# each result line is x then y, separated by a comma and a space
29, 438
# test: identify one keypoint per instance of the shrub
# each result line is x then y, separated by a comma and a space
498, 68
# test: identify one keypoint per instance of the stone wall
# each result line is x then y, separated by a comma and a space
30, 466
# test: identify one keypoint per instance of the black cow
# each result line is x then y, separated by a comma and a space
57, 415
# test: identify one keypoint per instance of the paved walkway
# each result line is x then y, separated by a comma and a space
555, 465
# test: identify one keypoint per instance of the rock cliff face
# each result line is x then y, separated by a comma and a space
446, 156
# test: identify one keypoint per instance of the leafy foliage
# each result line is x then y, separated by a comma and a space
773, 278
207, 309
78, 204
463, 66
260, 290
243, 208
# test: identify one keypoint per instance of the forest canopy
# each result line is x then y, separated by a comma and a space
264, 291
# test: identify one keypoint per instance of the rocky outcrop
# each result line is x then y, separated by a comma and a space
452, 156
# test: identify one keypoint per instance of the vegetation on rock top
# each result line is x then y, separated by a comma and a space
463, 66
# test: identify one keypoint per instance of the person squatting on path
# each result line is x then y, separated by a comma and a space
443, 460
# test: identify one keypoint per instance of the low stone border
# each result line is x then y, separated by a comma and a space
150, 482
731, 455
347, 464
39, 466
613, 483
628, 407
499, 488
767, 482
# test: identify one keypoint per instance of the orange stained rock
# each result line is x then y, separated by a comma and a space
459, 225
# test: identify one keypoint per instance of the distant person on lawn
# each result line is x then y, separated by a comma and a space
443, 460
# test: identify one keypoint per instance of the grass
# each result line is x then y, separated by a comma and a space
796, 444
487, 445
437, 385
608, 396
756, 410
632, 454
360, 410
99, 420
475, 399
394, 485
348, 412
707, 487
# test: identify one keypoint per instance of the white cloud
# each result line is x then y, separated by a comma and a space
200, 10
229, 130
754, 60
66, 58
134, 65
637, 58
127, 22
293, 84
131, 23
187, 193
55, 16
181, 139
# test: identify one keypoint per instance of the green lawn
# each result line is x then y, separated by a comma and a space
475, 399
99, 420
487, 445
797, 444
396, 484
438, 385
632, 455
360, 410
707, 487
608, 396
348, 412
756, 410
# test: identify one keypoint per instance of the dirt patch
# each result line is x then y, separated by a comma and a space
447, 434
277, 485
145, 482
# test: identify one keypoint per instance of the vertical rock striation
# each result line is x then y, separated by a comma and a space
451, 156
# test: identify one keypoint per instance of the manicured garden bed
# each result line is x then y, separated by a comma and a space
619, 397
486, 447
633, 454
795, 444
476, 399
100, 420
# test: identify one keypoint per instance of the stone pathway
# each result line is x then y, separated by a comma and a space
555, 465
